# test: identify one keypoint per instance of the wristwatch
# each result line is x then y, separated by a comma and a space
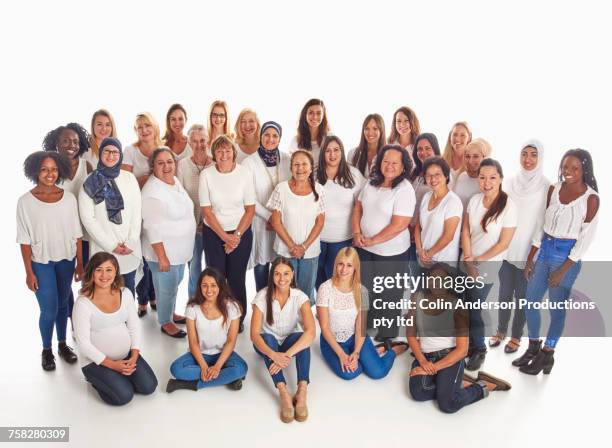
238, 233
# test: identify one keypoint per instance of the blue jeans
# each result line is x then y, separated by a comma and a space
145, 289
370, 362
512, 286
261, 273
166, 288
129, 280
195, 265
186, 368
53, 294
477, 325
553, 253
117, 389
305, 271
446, 386
302, 359
328, 254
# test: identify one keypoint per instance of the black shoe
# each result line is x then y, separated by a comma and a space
48, 360
241, 328
66, 353
532, 351
153, 306
544, 360
182, 321
476, 360
180, 384
142, 312
235, 385
381, 339
179, 334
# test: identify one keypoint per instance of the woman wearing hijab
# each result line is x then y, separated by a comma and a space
269, 167
528, 190
110, 210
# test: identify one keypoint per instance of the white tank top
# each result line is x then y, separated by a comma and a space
435, 332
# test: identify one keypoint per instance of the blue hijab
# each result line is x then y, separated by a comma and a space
101, 186
270, 157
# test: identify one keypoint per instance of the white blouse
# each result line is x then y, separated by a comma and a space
341, 308
188, 174
314, 152
102, 335
298, 216
137, 160
212, 333
167, 217
287, 319
74, 185
51, 229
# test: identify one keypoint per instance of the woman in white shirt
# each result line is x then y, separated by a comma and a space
488, 226
342, 184
282, 326
108, 334
372, 140
218, 121
342, 302
176, 118
298, 215
312, 129
269, 167
213, 318
227, 198
569, 226
49, 233
110, 210
458, 137
136, 161
528, 190
248, 131
438, 229
381, 217
168, 229
466, 183
102, 126
405, 128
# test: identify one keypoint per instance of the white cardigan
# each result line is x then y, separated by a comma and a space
105, 235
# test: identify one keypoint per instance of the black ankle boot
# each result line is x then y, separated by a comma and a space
544, 360
180, 384
66, 353
532, 351
476, 359
48, 360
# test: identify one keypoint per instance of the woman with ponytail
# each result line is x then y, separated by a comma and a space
488, 227
298, 214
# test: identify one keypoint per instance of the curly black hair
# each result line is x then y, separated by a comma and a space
51, 139
376, 176
31, 165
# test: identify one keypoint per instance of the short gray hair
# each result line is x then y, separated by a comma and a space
197, 128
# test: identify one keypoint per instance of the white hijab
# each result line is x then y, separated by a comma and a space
526, 183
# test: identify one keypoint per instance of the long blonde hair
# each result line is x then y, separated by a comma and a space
351, 254
239, 137
448, 149
226, 125
148, 118
93, 144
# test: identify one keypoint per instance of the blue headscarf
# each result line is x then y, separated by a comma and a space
101, 186
269, 157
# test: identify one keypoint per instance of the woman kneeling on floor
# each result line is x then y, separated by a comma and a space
108, 334
213, 318
439, 341
342, 303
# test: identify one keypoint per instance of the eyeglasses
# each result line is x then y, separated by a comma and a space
111, 153
216, 115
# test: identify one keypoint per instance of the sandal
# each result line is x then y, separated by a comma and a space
512, 346
500, 384
494, 341
469, 378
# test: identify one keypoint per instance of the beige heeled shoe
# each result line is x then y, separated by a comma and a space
287, 415
301, 412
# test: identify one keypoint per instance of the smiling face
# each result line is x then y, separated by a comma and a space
333, 154
102, 127
209, 288
104, 275
48, 172
472, 157
248, 125
392, 165
489, 181
371, 132
434, 176
459, 138
424, 150
110, 156
402, 123
68, 143
164, 167
571, 170
301, 167
529, 158
345, 268
224, 154
218, 117
177, 120
145, 131
270, 139
314, 116
282, 277
198, 140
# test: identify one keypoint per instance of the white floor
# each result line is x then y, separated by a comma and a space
566, 407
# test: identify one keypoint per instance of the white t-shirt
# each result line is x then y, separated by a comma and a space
212, 334
102, 335
432, 225
379, 206
466, 187
286, 320
188, 173
298, 215
240, 154
187, 153
314, 152
341, 308
74, 185
137, 160
482, 241
51, 229
167, 217
420, 188
227, 193
339, 202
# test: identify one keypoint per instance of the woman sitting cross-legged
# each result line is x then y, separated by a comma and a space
108, 334
439, 341
213, 318
342, 302
278, 311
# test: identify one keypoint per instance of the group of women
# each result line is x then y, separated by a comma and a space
316, 224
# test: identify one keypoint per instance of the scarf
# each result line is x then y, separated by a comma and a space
526, 183
270, 157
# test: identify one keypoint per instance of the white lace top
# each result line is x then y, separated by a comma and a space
341, 308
